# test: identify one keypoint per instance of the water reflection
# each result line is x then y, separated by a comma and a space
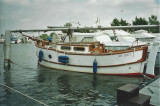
7, 81
44, 75
41, 78
63, 84
94, 82
71, 88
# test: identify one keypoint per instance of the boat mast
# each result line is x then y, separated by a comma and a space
69, 33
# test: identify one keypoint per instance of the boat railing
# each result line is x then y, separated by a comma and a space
136, 47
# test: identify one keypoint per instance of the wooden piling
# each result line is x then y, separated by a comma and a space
7, 49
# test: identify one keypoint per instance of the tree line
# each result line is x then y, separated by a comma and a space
152, 20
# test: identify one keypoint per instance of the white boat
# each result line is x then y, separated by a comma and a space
1, 40
91, 57
15, 40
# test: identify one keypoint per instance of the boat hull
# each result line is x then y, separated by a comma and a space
129, 63
132, 69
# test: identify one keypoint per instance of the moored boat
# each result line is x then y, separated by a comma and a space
91, 57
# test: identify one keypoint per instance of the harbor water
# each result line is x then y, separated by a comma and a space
54, 87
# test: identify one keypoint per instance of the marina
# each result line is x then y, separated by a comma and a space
72, 55
63, 88
79, 53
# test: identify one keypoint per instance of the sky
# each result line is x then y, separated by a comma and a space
38, 14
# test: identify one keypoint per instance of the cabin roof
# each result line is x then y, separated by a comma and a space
144, 35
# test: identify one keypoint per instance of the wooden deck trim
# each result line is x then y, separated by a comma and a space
94, 54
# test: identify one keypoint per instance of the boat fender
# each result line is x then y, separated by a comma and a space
95, 66
40, 56
63, 59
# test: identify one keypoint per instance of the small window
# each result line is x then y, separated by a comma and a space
49, 56
79, 48
65, 48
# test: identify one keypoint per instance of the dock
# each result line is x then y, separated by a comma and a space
148, 94
153, 90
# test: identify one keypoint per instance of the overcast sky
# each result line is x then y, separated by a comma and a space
34, 14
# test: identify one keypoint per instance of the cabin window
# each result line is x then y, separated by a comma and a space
65, 48
49, 56
79, 48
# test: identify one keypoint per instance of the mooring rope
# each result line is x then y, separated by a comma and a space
147, 83
20, 65
24, 94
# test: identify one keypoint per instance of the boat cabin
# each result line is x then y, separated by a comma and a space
81, 47
85, 47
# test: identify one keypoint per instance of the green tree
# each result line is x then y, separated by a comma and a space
2, 36
44, 36
68, 24
124, 23
115, 22
153, 20
140, 21
51, 35
121, 22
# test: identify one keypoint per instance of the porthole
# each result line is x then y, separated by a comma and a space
49, 56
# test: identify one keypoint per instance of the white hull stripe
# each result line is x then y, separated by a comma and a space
91, 66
